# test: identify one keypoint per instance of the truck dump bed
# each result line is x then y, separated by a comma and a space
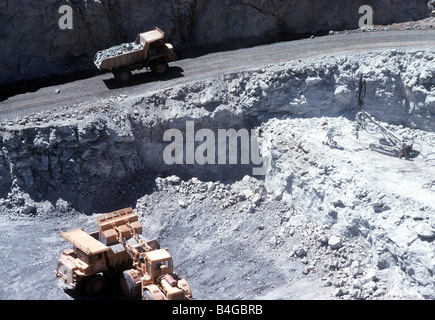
84, 241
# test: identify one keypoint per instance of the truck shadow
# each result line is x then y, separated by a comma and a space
112, 291
144, 77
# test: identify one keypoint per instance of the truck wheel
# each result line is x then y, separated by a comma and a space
160, 68
123, 75
146, 295
127, 286
95, 285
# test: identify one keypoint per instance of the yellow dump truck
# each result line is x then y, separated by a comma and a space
89, 262
118, 248
148, 51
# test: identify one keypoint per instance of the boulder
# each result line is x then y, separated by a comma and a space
335, 242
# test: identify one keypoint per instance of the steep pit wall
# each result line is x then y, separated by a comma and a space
99, 161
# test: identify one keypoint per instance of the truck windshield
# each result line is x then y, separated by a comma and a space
157, 265
82, 256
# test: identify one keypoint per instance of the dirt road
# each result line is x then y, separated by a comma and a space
189, 70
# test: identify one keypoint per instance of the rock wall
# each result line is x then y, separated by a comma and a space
33, 45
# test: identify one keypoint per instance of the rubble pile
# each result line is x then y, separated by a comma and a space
343, 222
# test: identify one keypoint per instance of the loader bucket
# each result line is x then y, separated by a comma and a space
124, 221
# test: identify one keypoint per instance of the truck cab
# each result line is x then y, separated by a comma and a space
158, 262
159, 281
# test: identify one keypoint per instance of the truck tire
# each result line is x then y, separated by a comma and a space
146, 295
160, 68
95, 284
123, 75
127, 285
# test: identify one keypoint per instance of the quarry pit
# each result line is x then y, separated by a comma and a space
316, 223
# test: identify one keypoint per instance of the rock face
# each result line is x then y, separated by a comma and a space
34, 46
431, 6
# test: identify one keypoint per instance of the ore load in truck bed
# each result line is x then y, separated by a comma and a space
116, 51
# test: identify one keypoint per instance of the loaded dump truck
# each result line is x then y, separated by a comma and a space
148, 51
118, 248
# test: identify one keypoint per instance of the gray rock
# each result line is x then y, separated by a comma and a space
425, 231
338, 292
28, 210
327, 283
356, 268
63, 206
323, 239
370, 275
273, 242
182, 203
355, 294
370, 287
256, 199
116, 50
173, 179
333, 214
379, 207
306, 270
299, 252
338, 204
335, 242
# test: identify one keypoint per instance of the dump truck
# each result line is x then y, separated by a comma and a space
152, 274
118, 248
90, 262
148, 51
